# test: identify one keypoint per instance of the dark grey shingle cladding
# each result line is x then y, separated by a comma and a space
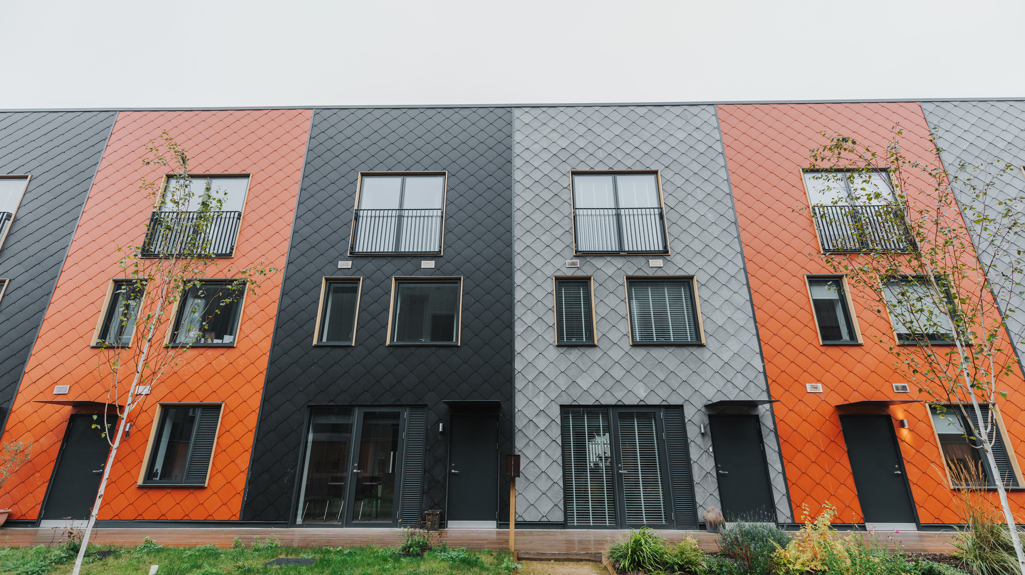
978, 133
61, 152
683, 143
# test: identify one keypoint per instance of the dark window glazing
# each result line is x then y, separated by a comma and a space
573, 317
426, 312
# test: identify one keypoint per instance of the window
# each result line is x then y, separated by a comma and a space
618, 214
962, 452
663, 311
12, 188
182, 445
856, 211
201, 217
399, 214
208, 314
574, 317
117, 322
832, 311
339, 305
426, 312
915, 313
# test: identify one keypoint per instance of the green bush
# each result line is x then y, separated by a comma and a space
415, 541
751, 545
647, 552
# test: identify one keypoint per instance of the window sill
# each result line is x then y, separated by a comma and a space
107, 346
328, 344
986, 488
836, 343
423, 344
194, 345
396, 254
589, 344
586, 254
164, 485
669, 343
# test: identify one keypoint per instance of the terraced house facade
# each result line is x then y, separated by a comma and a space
624, 295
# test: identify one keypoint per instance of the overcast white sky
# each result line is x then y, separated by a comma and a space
91, 54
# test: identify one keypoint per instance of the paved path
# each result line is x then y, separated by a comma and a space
535, 540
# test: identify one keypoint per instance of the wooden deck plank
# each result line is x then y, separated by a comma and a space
537, 540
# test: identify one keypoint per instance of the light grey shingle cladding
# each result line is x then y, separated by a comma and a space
978, 133
683, 142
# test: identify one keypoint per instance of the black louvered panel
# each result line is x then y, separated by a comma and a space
642, 468
662, 311
587, 467
413, 467
203, 445
1004, 468
573, 311
680, 478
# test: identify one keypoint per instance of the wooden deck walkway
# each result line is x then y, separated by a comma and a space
571, 541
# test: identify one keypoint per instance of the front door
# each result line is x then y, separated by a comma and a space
744, 489
351, 467
878, 469
79, 470
473, 470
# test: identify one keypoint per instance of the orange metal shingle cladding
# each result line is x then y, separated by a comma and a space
766, 148
270, 145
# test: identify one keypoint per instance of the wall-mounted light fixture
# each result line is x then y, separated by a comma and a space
903, 424
441, 428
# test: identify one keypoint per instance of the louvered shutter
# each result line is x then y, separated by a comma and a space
413, 467
1004, 468
587, 467
642, 468
203, 440
663, 311
573, 311
680, 480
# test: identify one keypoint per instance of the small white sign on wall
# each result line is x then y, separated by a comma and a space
901, 388
344, 265
572, 263
655, 263
427, 265
61, 389
814, 387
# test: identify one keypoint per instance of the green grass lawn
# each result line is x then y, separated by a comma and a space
251, 558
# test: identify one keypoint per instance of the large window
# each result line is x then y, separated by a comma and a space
832, 311
663, 311
962, 450
426, 312
399, 214
208, 314
183, 445
618, 214
197, 217
918, 314
120, 312
12, 188
574, 317
856, 211
339, 303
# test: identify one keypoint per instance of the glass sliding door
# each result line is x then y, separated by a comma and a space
615, 467
326, 475
350, 472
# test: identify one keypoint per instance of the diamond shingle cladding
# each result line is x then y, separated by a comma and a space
60, 151
473, 145
682, 142
766, 148
270, 146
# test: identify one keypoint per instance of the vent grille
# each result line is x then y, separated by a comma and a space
814, 387
901, 388
203, 445
680, 479
413, 467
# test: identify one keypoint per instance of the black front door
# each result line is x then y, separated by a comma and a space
79, 470
473, 468
744, 489
878, 469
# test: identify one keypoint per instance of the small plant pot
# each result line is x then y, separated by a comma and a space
3, 515
711, 528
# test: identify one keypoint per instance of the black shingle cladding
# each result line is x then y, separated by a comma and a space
474, 145
61, 151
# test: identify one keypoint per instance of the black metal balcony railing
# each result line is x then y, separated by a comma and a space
191, 233
397, 232
5, 221
847, 229
620, 230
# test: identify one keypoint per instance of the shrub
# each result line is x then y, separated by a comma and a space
686, 557
751, 545
813, 545
416, 540
643, 551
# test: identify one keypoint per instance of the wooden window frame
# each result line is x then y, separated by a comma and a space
245, 202
95, 341
21, 198
850, 309
171, 328
893, 329
998, 419
572, 209
322, 302
157, 417
811, 216
555, 310
355, 207
3, 287
391, 310
697, 310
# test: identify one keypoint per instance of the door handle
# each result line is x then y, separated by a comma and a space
623, 471
455, 472
98, 471
721, 472
357, 471
897, 473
